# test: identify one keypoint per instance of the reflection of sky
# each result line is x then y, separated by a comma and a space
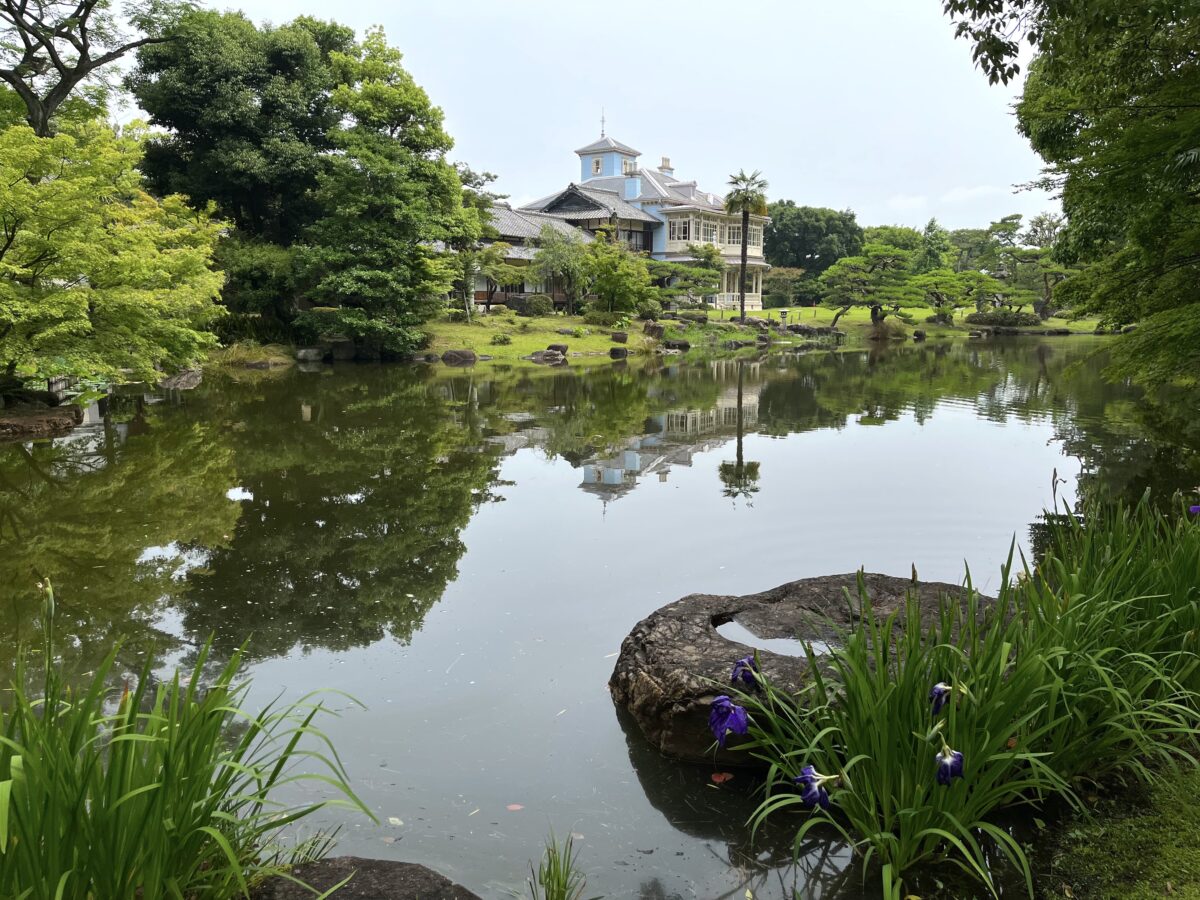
501, 698
176, 559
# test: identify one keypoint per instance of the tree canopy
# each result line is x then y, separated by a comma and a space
97, 278
811, 238
1109, 103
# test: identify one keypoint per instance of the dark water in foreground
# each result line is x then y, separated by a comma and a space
463, 551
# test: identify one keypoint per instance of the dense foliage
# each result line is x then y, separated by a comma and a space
811, 238
97, 277
1109, 103
331, 161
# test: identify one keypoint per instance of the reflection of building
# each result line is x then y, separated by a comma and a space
673, 438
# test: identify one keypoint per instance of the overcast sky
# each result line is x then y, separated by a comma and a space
866, 104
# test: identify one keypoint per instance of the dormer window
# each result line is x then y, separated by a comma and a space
628, 167
597, 165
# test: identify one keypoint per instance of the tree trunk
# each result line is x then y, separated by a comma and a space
877, 314
742, 275
841, 312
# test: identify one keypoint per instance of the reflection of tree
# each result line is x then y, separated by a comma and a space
739, 477
358, 488
112, 523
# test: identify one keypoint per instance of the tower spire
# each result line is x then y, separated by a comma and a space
602, 121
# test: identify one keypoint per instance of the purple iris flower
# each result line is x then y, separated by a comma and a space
812, 788
745, 669
1194, 510
950, 765
725, 716
939, 696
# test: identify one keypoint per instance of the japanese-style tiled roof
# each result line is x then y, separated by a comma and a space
606, 144
526, 225
589, 203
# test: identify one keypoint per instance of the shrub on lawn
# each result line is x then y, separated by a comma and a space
649, 310
537, 305
501, 340
1008, 318
602, 319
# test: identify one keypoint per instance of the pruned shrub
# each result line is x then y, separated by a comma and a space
537, 305
649, 310
501, 340
1008, 318
603, 319
456, 315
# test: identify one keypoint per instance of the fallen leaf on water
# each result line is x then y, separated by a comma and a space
392, 820
472, 812
576, 836
389, 840
721, 777
513, 807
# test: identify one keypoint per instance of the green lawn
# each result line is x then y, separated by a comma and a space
1139, 843
528, 335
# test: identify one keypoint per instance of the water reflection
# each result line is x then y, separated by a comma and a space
349, 527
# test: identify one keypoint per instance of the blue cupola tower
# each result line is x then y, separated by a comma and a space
606, 158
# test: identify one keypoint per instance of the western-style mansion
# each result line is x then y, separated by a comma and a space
650, 210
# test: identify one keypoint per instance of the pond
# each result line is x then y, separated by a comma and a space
464, 550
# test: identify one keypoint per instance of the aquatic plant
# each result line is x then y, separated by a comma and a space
161, 789
558, 876
1083, 668
725, 716
746, 671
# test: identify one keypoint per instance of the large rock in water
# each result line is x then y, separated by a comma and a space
665, 672
372, 879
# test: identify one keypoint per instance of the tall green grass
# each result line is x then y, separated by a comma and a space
1083, 669
158, 790
558, 875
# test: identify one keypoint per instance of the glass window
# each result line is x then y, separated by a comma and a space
755, 236
680, 229
708, 231
628, 167
735, 234
597, 165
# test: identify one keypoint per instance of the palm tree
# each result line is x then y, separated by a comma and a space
748, 196
740, 478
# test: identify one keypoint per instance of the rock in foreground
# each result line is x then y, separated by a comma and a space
373, 879
663, 674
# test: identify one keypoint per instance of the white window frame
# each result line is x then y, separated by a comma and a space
755, 236
628, 167
597, 165
708, 231
734, 233
679, 228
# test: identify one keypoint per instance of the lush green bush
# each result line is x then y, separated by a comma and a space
537, 305
456, 315
602, 319
1084, 668
1005, 317
941, 318
501, 340
650, 310
166, 789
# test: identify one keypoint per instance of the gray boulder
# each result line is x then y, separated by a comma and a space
667, 665
677, 345
619, 337
919, 335
310, 354
184, 380
370, 879
617, 352
459, 357
547, 357
560, 348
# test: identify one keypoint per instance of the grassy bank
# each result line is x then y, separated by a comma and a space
527, 335
1137, 843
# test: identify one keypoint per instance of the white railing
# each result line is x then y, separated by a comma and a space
730, 301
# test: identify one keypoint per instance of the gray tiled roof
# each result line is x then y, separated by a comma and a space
608, 203
526, 225
607, 143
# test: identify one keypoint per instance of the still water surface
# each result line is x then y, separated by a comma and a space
463, 552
